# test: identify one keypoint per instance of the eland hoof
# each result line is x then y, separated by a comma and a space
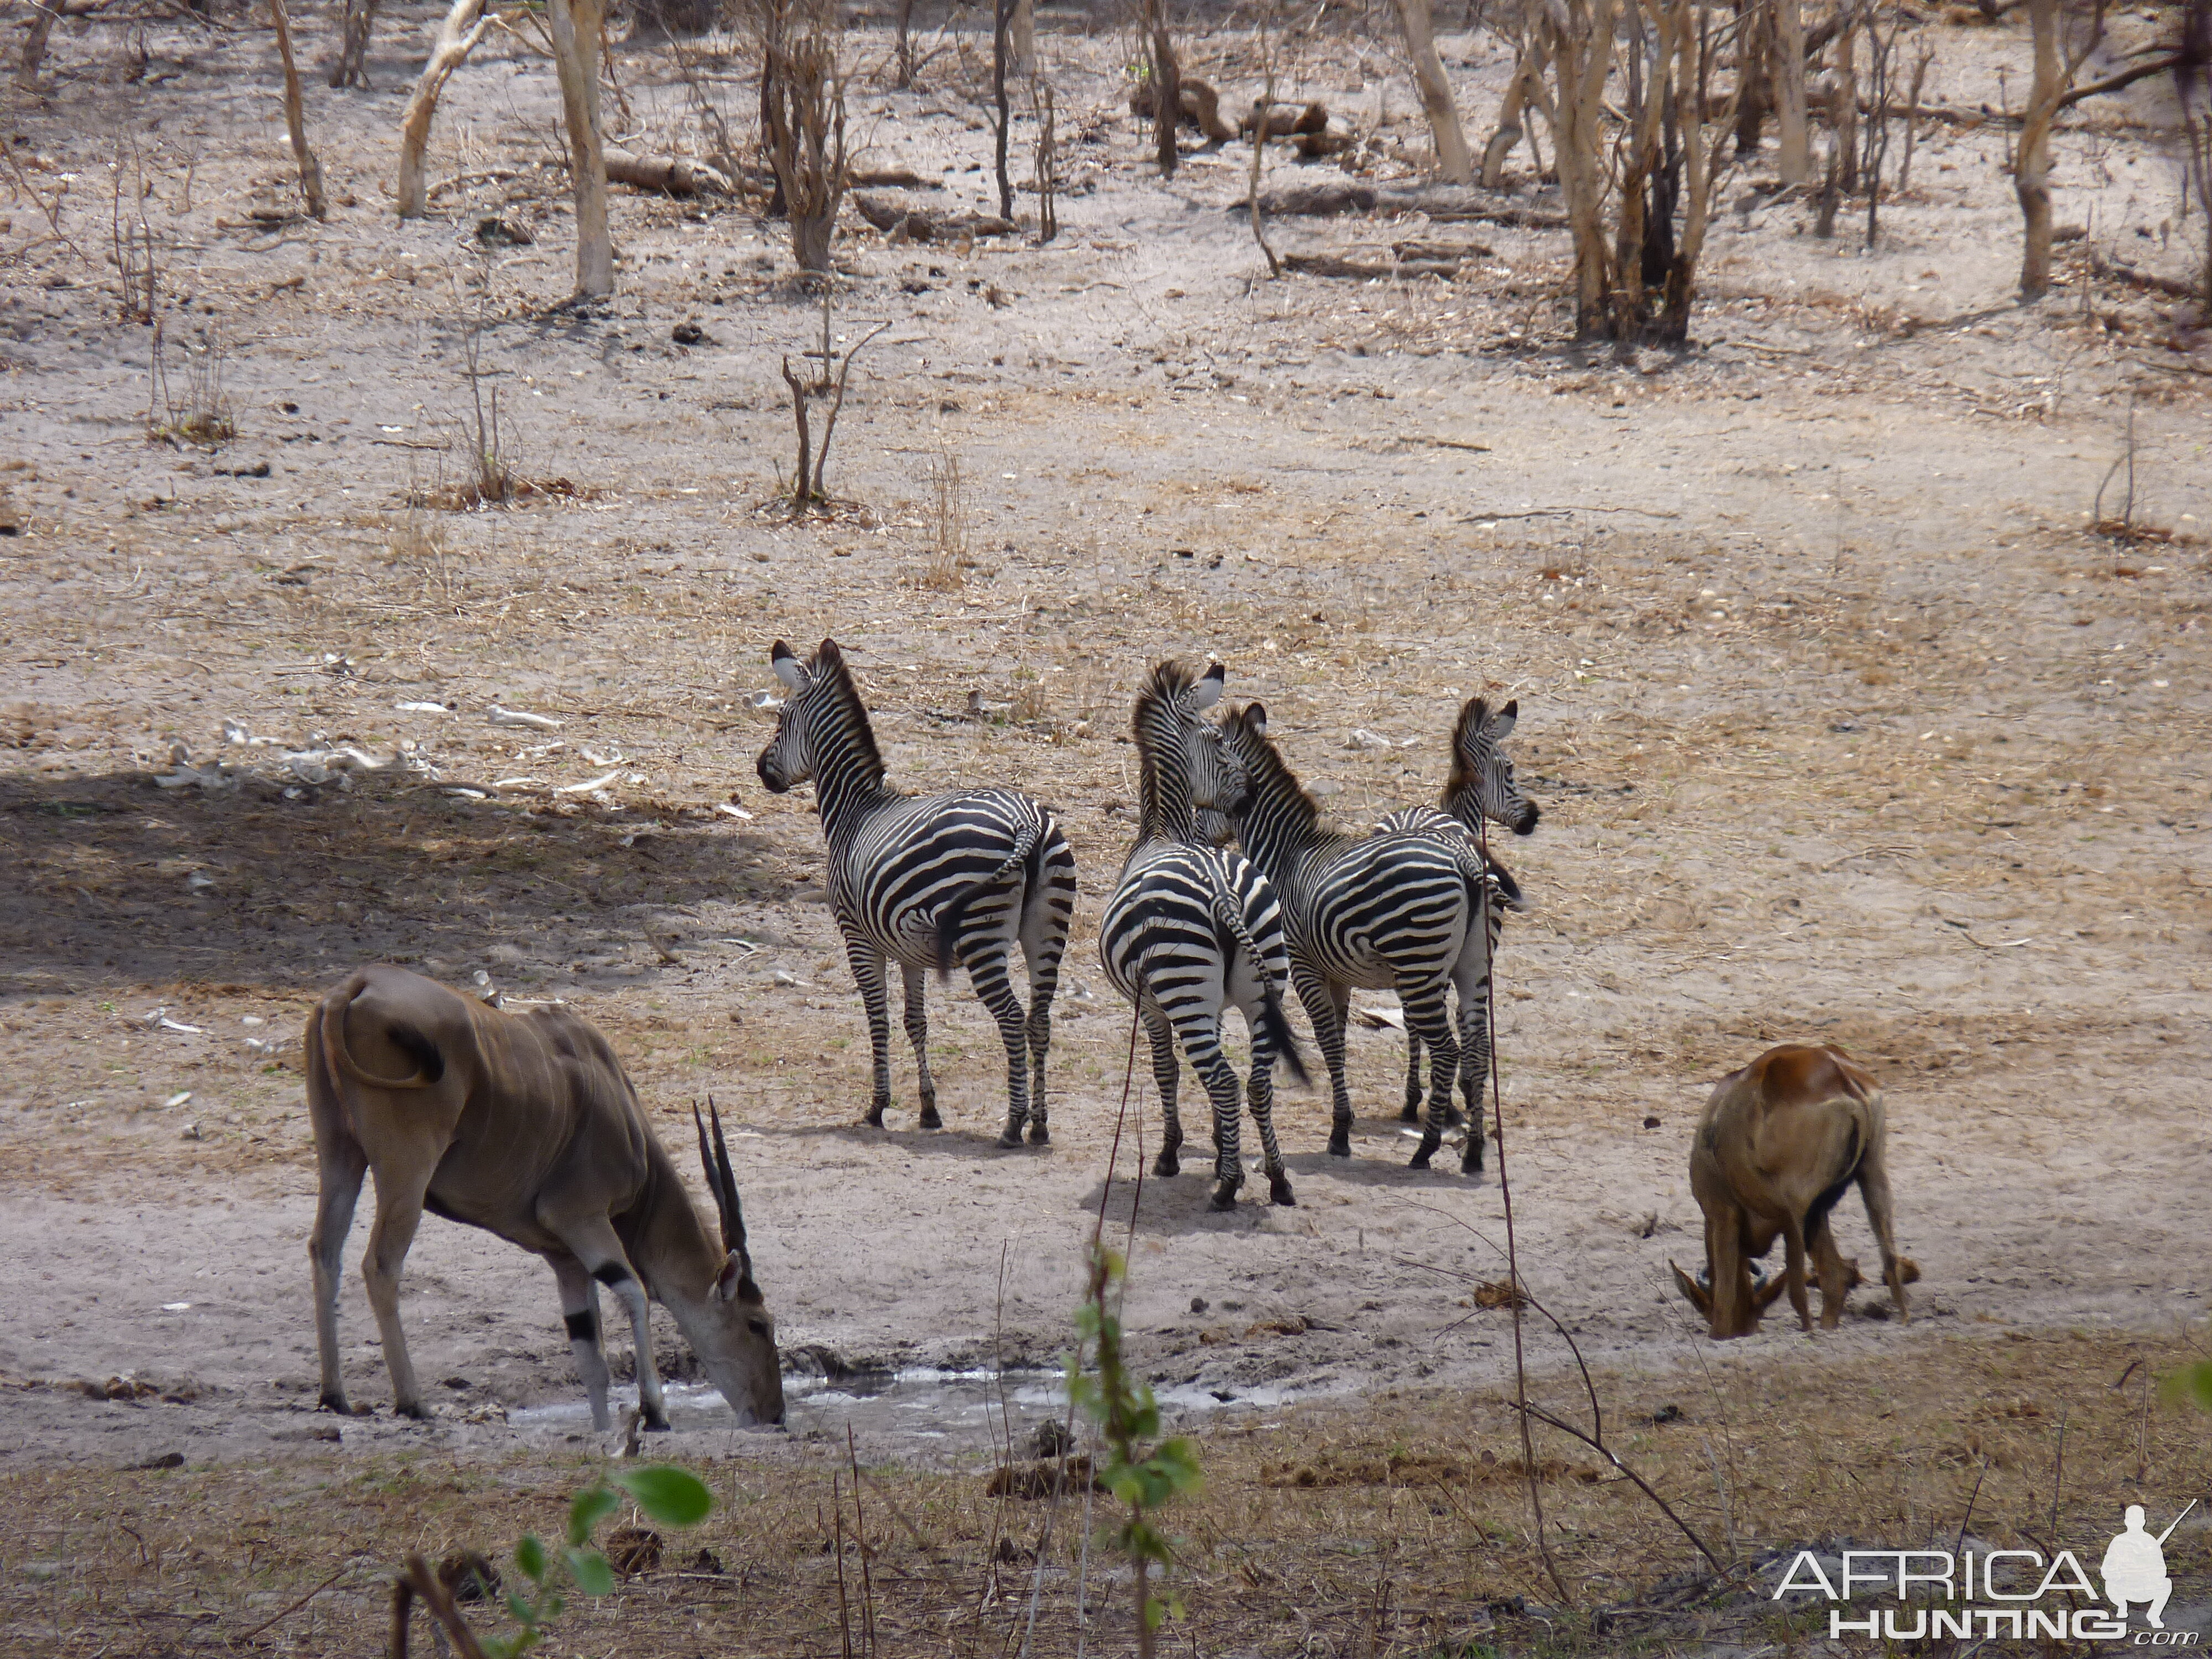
656, 1423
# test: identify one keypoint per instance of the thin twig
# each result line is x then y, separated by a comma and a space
1612, 1457
294, 1608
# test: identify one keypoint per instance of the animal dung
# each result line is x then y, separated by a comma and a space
634, 1550
1043, 1478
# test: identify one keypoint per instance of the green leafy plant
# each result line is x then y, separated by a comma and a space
1128, 1418
672, 1496
2192, 1383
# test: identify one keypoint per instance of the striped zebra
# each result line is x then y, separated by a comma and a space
1480, 785
1404, 908
1193, 928
935, 881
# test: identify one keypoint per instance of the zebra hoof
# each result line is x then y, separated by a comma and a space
1426, 1151
875, 1118
1010, 1136
1225, 1195
1470, 1161
1339, 1144
1167, 1163
929, 1117
1411, 1112
1278, 1190
1039, 1135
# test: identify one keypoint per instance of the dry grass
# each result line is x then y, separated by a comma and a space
1397, 1526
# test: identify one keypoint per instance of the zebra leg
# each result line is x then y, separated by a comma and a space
1473, 1066
1044, 942
1411, 1112
917, 1032
868, 974
1202, 1043
1261, 1096
1325, 1005
1167, 1073
1426, 1013
987, 973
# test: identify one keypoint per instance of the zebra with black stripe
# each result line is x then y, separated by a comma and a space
1404, 910
938, 881
1192, 928
1479, 785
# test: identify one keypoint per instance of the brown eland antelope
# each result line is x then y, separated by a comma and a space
1779, 1142
525, 1125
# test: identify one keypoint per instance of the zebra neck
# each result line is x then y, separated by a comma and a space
1165, 810
1282, 847
848, 786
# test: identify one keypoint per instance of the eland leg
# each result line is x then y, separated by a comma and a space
593, 1242
340, 1169
580, 1313
399, 1212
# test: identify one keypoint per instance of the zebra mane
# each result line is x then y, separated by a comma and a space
829, 660
1272, 779
1159, 711
1473, 717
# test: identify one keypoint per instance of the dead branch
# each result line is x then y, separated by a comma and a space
673, 175
296, 121
463, 26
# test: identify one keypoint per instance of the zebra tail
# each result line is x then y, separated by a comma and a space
954, 911
1484, 876
1272, 1020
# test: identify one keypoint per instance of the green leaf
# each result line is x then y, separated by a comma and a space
591, 1506
674, 1497
530, 1555
2192, 1383
593, 1575
522, 1612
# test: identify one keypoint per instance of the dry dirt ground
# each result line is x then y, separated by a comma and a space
1843, 725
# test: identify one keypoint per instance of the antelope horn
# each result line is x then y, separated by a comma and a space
734, 1218
713, 1176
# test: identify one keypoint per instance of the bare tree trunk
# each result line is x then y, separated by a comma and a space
1845, 113
1579, 37
1454, 166
295, 116
905, 46
1002, 22
352, 67
1912, 117
34, 40
463, 26
2032, 168
1755, 96
1167, 87
575, 26
1527, 71
1693, 84
1024, 36
1795, 161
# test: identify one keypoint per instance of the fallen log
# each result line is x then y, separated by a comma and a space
903, 220
1045, 1478
1285, 120
891, 178
674, 175
1453, 253
2149, 281
1444, 202
1328, 264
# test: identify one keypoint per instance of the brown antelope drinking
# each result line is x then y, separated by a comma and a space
525, 1125
1779, 1142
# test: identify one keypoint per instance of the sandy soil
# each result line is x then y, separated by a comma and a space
1844, 726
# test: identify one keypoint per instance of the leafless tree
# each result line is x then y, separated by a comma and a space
295, 118
1454, 165
457, 34
801, 44
1167, 85
351, 69
577, 27
1795, 163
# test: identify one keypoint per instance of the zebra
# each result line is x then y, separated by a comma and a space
1404, 908
1192, 926
1479, 785
935, 881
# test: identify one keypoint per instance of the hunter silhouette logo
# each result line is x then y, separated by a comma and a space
2135, 1566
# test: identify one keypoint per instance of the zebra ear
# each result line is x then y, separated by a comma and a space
1501, 723
786, 662
1255, 720
1207, 691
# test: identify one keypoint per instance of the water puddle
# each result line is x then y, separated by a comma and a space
948, 1410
